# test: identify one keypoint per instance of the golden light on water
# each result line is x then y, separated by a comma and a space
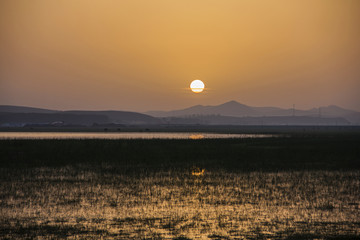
170, 205
197, 86
196, 136
198, 172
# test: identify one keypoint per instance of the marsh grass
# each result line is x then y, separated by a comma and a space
297, 188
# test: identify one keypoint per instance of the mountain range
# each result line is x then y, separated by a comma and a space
21, 116
229, 113
236, 109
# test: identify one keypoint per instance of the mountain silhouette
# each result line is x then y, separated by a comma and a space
20, 116
22, 109
236, 109
121, 117
231, 108
229, 113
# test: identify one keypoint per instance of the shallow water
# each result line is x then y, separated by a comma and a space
74, 203
128, 135
279, 189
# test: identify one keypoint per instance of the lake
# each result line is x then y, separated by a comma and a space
126, 135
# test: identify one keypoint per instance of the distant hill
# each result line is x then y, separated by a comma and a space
229, 113
122, 117
263, 121
20, 116
231, 108
236, 109
22, 119
21, 109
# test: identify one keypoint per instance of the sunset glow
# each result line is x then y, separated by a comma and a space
129, 55
197, 86
180, 119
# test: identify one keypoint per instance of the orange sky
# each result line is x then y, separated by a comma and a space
142, 55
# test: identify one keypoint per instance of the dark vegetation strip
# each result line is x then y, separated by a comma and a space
194, 128
321, 152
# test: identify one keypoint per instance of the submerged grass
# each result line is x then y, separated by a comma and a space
280, 188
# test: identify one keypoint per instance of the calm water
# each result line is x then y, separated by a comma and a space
131, 135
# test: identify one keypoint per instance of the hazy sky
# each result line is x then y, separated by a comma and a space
142, 55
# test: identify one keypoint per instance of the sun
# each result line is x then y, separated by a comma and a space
197, 86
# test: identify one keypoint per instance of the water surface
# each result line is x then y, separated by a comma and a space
123, 135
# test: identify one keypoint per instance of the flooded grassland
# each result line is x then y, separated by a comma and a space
294, 188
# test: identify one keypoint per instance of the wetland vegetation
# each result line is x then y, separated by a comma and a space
293, 187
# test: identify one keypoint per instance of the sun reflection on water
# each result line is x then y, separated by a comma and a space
196, 136
198, 172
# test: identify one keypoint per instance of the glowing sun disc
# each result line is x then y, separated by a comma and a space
197, 86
